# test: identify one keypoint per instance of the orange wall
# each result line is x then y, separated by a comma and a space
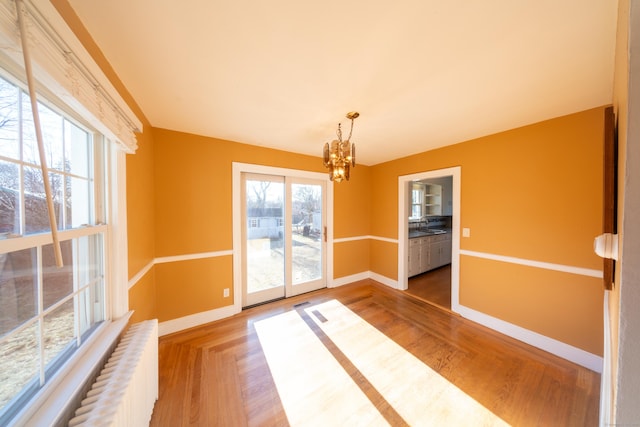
143, 298
533, 193
193, 195
141, 205
352, 205
193, 286
350, 258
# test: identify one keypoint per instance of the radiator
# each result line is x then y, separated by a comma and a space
126, 389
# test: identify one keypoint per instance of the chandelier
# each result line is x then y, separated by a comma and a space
340, 156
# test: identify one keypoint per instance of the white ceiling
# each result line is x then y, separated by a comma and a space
422, 73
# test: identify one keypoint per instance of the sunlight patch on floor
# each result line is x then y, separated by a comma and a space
316, 390
418, 393
313, 387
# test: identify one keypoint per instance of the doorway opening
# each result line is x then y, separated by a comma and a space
429, 236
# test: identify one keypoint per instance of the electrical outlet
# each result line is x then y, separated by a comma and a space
226, 293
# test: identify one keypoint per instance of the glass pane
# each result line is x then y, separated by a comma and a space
35, 200
416, 211
9, 198
306, 217
416, 195
35, 203
19, 362
29, 143
78, 202
51, 123
58, 331
57, 182
77, 150
91, 305
84, 316
18, 289
52, 136
265, 235
88, 255
57, 283
9, 145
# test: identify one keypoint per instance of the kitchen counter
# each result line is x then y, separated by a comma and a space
423, 233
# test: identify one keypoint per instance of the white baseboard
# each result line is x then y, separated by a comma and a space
341, 281
558, 348
197, 319
362, 276
384, 280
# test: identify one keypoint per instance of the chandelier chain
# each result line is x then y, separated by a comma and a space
351, 130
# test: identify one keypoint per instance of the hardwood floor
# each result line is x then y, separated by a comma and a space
364, 354
433, 286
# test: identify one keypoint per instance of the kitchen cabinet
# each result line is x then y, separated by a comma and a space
440, 250
427, 253
415, 246
425, 256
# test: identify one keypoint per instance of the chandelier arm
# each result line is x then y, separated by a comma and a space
353, 155
326, 155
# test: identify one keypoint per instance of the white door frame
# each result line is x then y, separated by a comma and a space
403, 226
237, 170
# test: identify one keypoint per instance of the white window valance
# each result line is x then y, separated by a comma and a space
63, 66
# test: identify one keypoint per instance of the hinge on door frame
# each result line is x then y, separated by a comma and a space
325, 234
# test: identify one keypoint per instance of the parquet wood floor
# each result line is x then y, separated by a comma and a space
218, 374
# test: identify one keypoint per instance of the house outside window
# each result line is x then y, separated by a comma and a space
46, 312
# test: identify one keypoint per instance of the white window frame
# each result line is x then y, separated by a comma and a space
110, 164
64, 69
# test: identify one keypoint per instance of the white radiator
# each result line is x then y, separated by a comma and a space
127, 388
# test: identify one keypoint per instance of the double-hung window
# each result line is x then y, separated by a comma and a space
46, 312
56, 324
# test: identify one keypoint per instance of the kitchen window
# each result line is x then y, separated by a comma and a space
417, 201
47, 313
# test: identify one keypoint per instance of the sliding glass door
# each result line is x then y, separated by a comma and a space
284, 237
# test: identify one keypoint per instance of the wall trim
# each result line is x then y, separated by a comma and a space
537, 264
351, 239
181, 323
187, 257
140, 274
558, 348
175, 258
